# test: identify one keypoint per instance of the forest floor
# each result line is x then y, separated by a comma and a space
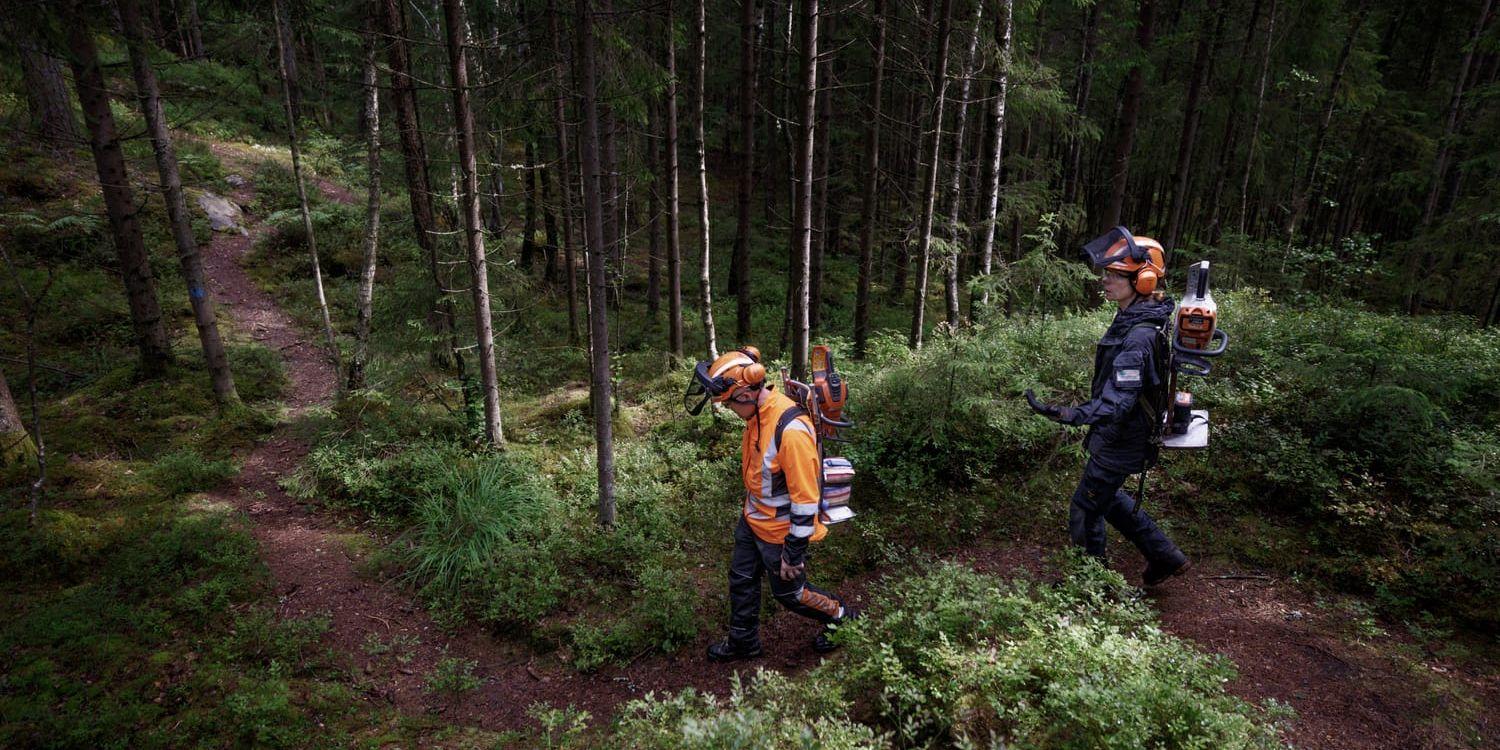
1353, 682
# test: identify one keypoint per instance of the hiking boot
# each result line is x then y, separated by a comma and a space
824, 643
1158, 572
728, 650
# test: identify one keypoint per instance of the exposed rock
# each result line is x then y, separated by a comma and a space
223, 214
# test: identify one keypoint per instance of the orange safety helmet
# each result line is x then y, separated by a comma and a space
733, 372
1142, 258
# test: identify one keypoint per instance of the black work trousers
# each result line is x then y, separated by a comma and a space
753, 559
1099, 499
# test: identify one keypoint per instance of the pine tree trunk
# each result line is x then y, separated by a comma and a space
800, 269
653, 223
457, 37
739, 266
705, 279
1450, 118
674, 194
16, 445
822, 185
307, 224
1203, 66
1303, 192
871, 183
47, 99
1003, 28
361, 358
930, 188
418, 182
1260, 101
191, 262
528, 198
286, 52
119, 200
955, 184
1130, 111
594, 231
1073, 171
565, 169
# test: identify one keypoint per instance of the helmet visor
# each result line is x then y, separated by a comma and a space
1096, 252
700, 389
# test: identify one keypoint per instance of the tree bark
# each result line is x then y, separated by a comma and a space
1229, 143
1450, 118
1073, 171
193, 29
930, 189
188, 257
564, 169
361, 358
1303, 194
1260, 101
307, 224
802, 233
528, 198
47, 99
1003, 29
457, 32
871, 183
1203, 65
16, 445
594, 230
955, 184
739, 265
418, 182
286, 52
653, 223
1130, 111
119, 200
706, 293
674, 194
823, 184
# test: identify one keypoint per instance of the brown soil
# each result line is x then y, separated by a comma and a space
1286, 646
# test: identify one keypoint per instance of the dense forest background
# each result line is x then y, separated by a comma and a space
419, 284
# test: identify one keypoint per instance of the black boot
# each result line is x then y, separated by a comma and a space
1157, 572
824, 643
730, 650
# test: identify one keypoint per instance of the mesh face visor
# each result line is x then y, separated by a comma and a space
701, 388
1094, 251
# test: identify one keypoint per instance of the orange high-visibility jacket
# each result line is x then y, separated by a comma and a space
781, 482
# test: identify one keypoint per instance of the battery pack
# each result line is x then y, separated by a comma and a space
1194, 438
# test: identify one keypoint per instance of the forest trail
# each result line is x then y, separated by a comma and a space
1347, 694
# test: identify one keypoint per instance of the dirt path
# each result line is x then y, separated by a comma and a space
1286, 646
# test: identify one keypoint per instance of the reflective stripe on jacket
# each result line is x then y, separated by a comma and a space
781, 481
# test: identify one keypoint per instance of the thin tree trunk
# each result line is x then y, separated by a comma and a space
1003, 28
119, 201
307, 224
1260, 101
653, 223
739, 265
30, 304
674, 194
955, 185
871, 183
802, 233
929, 188
1130, 111
1073, 176
191, 262
1229, 143
453, 18
1303, 194
822, 185
705, 279
444, 318
286, 52
529, 190
549, 225
1450, 118
361, 358
194, 29
564, 168
594, 229
1203, 65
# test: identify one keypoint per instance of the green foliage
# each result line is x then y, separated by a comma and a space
453, 676
960, 659
188, 471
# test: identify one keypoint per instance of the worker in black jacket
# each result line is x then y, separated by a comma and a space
1126, 405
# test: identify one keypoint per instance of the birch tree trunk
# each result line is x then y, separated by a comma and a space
871, 183
307, 224
361, 357
929, 186
802, 233
955, 185
674, 194
188, 257
1003, 28
594, 230
706, 295
457, 32
119, 199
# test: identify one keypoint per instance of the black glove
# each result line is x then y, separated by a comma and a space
1063, 414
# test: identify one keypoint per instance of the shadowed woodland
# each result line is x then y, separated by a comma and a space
343, 346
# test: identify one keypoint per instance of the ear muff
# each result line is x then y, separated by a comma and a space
1145, 281
753, 375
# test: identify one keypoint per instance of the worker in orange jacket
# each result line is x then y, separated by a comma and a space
780, 467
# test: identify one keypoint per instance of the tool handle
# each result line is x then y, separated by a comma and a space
1219, 335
